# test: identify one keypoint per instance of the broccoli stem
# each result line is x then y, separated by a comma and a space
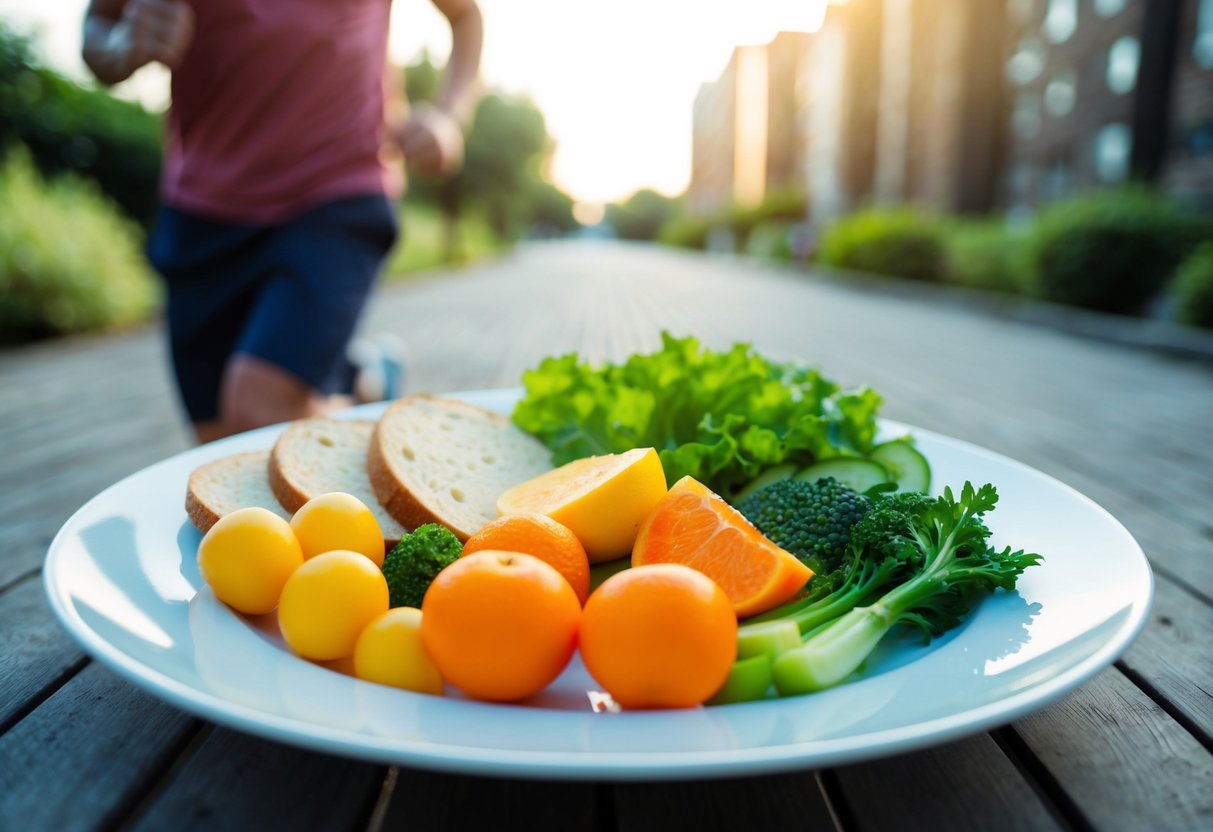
836, 650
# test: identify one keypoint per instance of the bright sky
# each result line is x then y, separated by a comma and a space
616, 79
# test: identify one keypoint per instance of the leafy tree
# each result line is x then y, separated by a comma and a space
506, 149
642, 215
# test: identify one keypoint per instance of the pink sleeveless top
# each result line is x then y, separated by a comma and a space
277, 107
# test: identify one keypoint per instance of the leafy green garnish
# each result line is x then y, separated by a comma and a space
720, 417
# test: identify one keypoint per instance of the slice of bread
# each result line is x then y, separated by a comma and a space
319, 455
436, 460
223, 485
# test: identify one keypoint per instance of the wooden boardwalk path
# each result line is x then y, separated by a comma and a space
1131, 428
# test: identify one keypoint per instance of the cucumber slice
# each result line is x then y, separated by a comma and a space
768, 477
905, 463
853, 472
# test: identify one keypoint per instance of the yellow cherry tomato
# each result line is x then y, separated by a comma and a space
338, 521
247, 557
390, 652
328, 601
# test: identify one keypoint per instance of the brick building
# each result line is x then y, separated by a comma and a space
748, 137
1104, 91
729, 148
965, 106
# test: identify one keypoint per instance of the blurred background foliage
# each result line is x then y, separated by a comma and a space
69, 261
78, 193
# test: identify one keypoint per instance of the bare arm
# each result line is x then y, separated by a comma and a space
432, 137
120, 36
460, 90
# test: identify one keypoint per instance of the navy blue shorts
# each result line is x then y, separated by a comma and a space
290, 294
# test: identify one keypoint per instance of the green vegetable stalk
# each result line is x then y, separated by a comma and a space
913, 560
943, 544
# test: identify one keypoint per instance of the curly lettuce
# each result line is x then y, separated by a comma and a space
720, 417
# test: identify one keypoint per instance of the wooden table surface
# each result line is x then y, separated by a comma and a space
1130, 427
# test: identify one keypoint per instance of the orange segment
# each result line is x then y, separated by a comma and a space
602, 499
696, 528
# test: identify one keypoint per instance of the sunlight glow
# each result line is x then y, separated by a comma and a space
616, 80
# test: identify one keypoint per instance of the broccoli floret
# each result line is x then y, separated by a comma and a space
810, 519
415, 560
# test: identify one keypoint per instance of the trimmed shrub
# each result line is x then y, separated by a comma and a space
69, 262
1193, 288
894, 242
642, 215
772, 239
68, 128
1110, 251
686, 231
985, 255
789, 205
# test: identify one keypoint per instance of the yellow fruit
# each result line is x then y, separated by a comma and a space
338, 521
602, 499
327, 603
247, 557
390, 652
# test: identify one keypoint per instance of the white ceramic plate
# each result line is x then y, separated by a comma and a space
122, 577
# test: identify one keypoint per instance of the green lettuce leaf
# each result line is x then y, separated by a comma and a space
720, 417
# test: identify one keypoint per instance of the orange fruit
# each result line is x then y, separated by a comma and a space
500, 625
602, 499
541, 536
696, 528
659, 636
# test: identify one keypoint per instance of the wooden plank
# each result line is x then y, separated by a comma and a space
1174, 656
1122, 761
968, 784
423, 800
231, 780
781, 801
82, 758
35, 652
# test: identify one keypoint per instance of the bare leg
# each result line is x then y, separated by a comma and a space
255, 393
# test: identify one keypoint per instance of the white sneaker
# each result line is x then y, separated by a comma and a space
379, 362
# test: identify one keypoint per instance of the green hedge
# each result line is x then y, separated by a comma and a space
896, 242
73, 129
686, 231
1193, 288
1107, 251
985, 254
69, 262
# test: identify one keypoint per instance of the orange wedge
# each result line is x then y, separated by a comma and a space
695, 527
601, 499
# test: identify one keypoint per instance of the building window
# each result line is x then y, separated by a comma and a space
1061, 20
1202, 47
1026, 119
1107, 8
1028, 62
1061, 93
1124, 58
1113, 144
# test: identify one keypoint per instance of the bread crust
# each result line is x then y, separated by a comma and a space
408, 510
407, 502
201, 513
285, 489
